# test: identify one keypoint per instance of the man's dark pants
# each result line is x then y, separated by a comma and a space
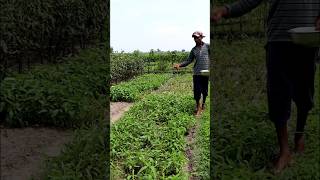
290, 76
200, 86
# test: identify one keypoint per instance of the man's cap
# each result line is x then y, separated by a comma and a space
197, 34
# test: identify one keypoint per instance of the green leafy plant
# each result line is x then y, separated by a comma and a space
149, 141
59, 95
132, 90
84, 158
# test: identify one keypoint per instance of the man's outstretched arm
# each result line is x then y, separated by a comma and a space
235, 9
186, 62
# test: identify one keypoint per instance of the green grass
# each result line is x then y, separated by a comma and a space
167, 67
133, 90
244, 139
85, 157
148, 142
202, 145
80, 81
181, 84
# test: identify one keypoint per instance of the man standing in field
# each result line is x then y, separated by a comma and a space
290, 67
200, 82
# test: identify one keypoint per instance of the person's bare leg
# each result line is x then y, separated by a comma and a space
284, 155
298, 137
196, 111
203, 102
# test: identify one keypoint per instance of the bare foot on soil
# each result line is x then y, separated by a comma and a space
282, 162
197, 112
299, 145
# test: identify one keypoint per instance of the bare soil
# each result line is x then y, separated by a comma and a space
117, 109
190, 153
23, 150
190, 150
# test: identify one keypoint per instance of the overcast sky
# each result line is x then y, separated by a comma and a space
157, 24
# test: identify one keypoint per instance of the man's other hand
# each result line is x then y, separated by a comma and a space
176, 66
218, 13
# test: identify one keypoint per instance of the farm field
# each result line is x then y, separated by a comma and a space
54, 93
244, 139
60, 100
150, 140
72, 96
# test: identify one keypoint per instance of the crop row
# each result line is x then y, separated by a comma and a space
182, 85
133, 89
61, 95
127, 65
149, 141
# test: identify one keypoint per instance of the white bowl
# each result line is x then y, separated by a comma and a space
204, 72
307, 36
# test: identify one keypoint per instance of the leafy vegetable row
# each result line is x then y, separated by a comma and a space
149, 141
62, 95
132, 90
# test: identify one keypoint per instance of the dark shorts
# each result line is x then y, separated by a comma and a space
200, 86
290, 76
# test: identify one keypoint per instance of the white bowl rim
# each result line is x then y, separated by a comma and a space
304, 30
204, 71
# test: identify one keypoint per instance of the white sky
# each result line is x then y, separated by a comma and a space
157, 24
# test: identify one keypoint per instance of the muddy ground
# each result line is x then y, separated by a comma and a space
23, 150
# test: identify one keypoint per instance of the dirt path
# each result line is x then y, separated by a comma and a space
117, 109
190, 149
23, 150
190, 152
